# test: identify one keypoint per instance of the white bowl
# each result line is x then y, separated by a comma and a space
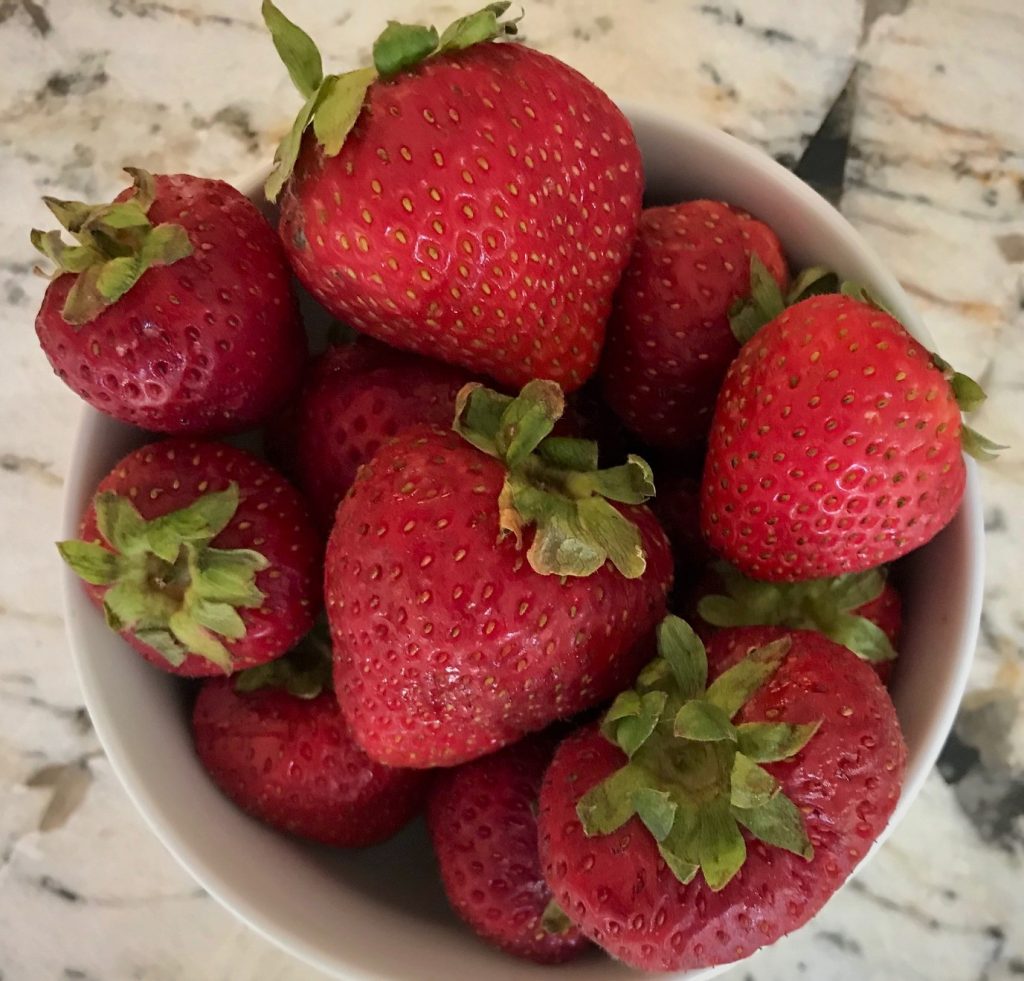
381, 913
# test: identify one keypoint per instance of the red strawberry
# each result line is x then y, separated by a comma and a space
201, 555
199, 333
474, 202
861, 610
835, 445
669, 339
289, 760
678, 508
482, 822
356, 397
450, 642
747, 852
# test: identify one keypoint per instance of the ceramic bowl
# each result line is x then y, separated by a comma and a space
381, 913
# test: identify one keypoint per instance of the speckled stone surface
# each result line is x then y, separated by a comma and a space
912, 115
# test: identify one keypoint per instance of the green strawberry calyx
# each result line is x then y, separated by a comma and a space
304, 672
825, 605
116, 244
333, 102
166, 584
553, 920
766, 301
969, 396
554, 483
750, 313
694, 777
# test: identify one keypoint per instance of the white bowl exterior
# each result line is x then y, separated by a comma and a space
380, 914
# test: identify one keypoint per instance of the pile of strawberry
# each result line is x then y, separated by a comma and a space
500, 651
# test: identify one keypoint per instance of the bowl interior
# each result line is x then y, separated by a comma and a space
380, 913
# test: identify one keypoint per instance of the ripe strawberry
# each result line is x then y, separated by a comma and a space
278, 746
449, 641
835, 444
669, 338
201, 555
175, 312
704, 861
861, 610
678, 508
482, 821
474, 202
356, 397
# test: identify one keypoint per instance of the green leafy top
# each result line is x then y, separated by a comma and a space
969, 396
554, 482
333, 102
554, 921
766, 301
117, 243
693, 776
305, 671
825, 605
166, 584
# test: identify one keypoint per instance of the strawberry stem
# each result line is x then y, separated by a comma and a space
166, 583
693, 776
825, 605
554, 483
117, 243
333, 103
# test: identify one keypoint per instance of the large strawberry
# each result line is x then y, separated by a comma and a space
201, 555
274, 740
356, 397
482, 822
835, 445
174, 312
468, 200
670, 339
861, 610
450, 640
707, 822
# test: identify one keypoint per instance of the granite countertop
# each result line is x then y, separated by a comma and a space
907, 114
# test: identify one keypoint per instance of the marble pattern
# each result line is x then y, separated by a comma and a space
921, 102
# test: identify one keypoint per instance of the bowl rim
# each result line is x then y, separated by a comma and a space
218, 883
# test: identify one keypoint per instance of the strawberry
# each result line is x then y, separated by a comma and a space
274, 741
861, 610
450, 642
483, 825
669, 338
175, 311
356, 397
201, 555
704, 824
678, 508
467, 200
835, 444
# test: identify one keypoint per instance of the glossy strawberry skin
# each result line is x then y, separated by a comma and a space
354, 398
291, 763
462, 221
669, 340
271, 518
846, 781
447, 644
481, 818
210, 344
835, 446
